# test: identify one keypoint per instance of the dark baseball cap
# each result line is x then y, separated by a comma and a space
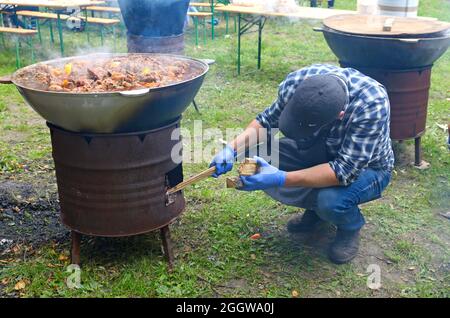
317, 101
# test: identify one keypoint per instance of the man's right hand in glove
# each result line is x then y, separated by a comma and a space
223, 161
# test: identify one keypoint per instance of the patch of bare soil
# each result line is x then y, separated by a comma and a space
404, 154
33, 119
13, 137
26, 218
231, 287
371, 251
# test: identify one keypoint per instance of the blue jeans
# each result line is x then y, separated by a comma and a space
339, 204
330, 3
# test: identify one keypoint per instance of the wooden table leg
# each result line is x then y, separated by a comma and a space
60, 32
167, 245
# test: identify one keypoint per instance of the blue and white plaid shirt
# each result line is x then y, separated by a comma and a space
361, 139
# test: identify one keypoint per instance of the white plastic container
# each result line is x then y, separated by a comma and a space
369, 7
399, 8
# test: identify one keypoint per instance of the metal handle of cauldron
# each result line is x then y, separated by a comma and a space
317, 29
409, 40
135, 93
7, 79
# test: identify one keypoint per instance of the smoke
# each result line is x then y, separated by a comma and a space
281, 6
94, 50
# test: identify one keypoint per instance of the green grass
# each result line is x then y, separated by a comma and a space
214, 255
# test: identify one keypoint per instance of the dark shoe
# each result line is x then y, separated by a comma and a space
302, 223
345, 246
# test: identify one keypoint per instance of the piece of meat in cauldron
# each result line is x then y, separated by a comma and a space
110, 74
97, 73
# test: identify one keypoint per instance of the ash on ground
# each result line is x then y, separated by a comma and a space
27, 217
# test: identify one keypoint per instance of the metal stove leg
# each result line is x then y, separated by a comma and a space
75, 250
196, 106
167, 245
418, 156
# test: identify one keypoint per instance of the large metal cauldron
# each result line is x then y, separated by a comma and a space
115, 184
154, 18
386, 53
114, 112
155, 26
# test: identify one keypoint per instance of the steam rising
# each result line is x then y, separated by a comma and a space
281, 6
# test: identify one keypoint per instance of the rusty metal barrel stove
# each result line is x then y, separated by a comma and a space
397, 52
115, 184
144, 44
408, 92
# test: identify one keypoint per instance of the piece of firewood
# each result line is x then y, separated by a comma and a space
234, 183
248, 167
202, 175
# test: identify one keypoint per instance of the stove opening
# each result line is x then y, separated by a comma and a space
175, 176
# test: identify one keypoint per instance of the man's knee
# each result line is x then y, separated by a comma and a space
330, 202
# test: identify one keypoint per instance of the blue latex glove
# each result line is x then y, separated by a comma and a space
223, 161
267, 177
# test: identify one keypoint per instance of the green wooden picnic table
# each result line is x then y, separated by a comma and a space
249, 17
57, 6
212, 5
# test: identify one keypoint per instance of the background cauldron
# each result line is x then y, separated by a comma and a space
155, 26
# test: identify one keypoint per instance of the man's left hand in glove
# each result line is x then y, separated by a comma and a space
267, 177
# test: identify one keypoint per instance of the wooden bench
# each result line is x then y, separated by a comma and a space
19, 33
208, 5
54, 16
45, 16
200, 16
102, 22
42, 15
103, 9
64, 17
204, 4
